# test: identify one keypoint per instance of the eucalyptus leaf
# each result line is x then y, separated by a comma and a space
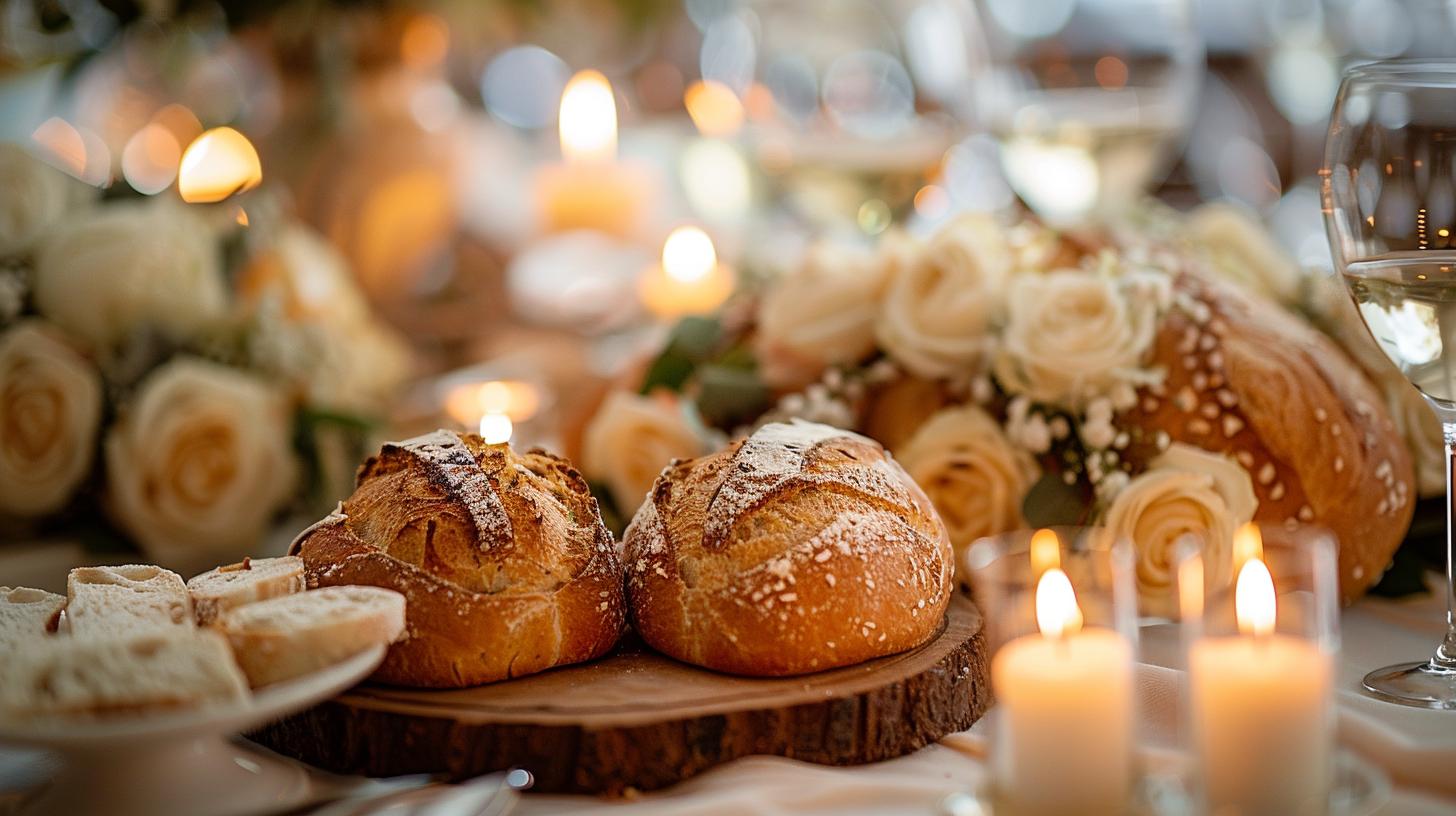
730, 396
693, 341
1052, 502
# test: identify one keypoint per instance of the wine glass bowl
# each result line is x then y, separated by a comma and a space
1390, 214
1087, 99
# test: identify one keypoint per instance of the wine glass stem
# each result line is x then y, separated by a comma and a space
1446, 653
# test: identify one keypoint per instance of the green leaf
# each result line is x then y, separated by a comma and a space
670, 371
1052, 502
730, 396
692, 342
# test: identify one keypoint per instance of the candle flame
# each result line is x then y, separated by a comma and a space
496, 429
1254, 598
515, 399
1247, 544
688, 255
1046, 551
218, 164
714, 108
1057, 613
588, 120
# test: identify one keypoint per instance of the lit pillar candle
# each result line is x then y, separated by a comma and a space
1064, 702
590, 189
1261, 709
689, 280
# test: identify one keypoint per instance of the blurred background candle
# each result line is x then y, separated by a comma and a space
1063, 674
690, 280
218, 165
494, 407
590, 188
1261, 704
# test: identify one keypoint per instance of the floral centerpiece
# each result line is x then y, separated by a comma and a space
1028, 377
171, 372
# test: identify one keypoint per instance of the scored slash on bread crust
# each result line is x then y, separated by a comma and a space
503, 559
126, 600
228, 587
101, 677
292, 635
27, 615
798, 549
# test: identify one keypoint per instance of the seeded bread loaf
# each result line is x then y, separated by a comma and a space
112, 602
1247, 379
798, 549
502, 558
27, 615
249, 581
292, 635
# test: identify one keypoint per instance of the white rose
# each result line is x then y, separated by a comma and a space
630, 440
33, 198
943, 296
50, 409
821, 314
1072, 336
1240, 249
122, 266
199, 463
973, 475
1186, 491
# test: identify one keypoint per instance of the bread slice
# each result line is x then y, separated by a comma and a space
123, 601
288, 637
27, 615
93, 677
216, 591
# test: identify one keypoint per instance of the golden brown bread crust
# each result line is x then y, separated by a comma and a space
798, 549
1249, 380
502, 558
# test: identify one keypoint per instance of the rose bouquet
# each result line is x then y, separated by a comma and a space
1142, 380
169, 372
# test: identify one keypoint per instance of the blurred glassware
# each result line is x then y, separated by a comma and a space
1088, 99
850, 105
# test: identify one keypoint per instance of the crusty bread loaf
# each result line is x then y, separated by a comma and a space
27, 615
1249, 380
292, 635
228, 587
798, 549
122, 601
103, 677
502, 558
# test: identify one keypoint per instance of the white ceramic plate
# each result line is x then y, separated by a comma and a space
183, 761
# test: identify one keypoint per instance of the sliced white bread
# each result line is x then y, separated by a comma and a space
288, 637
91, 677
27, 615
249, 581
114, 602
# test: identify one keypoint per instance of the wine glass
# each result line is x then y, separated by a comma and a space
1087, 99
1390, 211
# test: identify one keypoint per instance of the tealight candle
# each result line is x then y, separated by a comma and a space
493, 407
690, 280
1260, 702
1064, 700
590, 189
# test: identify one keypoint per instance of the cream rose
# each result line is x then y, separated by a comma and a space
1074, 335
199, 462
1242, 250
33, 198
973, 475
1186, 492
943, 297
50, 409
124, 266
630, 440
821, 314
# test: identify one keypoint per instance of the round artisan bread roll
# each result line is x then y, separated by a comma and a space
502, 558
798, 549
1249, 380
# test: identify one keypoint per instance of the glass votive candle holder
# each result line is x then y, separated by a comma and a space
1260, 655
1061, 615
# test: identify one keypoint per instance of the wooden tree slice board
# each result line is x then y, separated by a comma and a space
637, 719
